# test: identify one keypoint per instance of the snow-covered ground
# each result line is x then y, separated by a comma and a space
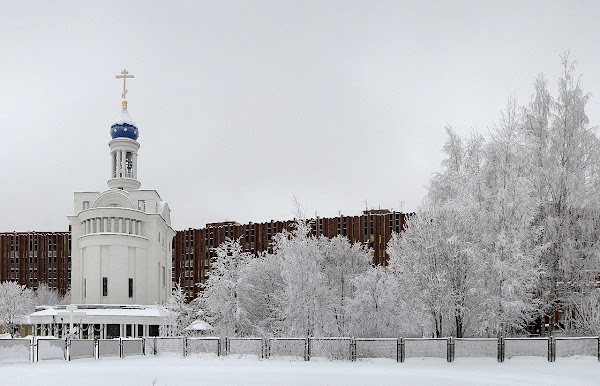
174, 370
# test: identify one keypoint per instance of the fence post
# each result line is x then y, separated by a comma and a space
219, 347
400, 350
120, 347
184, 344
501, 348
33, 355
352, 350
96, 349
154, 345
599, 348
307, 349
68, 351
551, 348
226, 346
450, 350
267, 343
262, 348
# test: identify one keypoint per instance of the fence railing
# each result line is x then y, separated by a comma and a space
340, 348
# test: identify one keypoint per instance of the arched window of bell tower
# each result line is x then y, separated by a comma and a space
129, 164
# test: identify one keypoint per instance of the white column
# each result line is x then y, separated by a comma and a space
133, 227
123, 163
139, 228
112, 164
112, 225
120, 225
118, 165
97, 224
105, 220
134, 165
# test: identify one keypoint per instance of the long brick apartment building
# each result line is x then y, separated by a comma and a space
193, 248
31, 258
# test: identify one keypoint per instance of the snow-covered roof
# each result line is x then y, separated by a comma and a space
199, 325
99, 313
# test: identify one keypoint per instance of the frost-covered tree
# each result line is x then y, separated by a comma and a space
221, 296
565, 162
433, 264
262, 297
341, 262
16, 302
306, 301
379, 308
507, 254
178, 313
46, 296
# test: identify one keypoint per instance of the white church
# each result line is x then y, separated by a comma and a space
121, 251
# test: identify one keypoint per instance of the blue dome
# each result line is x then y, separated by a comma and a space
124, 127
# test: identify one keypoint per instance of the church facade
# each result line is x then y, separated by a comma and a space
121, 249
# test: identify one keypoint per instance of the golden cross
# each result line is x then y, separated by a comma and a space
124, 75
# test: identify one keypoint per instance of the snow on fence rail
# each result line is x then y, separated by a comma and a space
377, 348
287, 347
50, 348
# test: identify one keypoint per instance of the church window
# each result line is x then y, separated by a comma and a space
104, 286
142, 205
129, 164
86, 205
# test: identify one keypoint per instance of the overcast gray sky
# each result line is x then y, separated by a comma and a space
243, 104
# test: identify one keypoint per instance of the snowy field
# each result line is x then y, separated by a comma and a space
170, 369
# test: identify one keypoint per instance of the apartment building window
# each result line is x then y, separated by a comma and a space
104, 286
130, 287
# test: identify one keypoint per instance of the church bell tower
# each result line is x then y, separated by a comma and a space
124, 146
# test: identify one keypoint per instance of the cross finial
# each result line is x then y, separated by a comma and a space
124, 75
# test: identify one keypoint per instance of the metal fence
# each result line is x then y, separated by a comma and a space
51, 349
330, 348
287, 347
81, 348
245, 346
425, 348
203, 345
16, 350
476, 348
376, 348
340, 348
527, 347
